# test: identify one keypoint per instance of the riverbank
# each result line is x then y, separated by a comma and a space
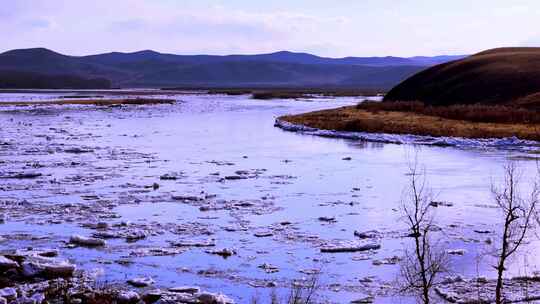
354, 119
97, 102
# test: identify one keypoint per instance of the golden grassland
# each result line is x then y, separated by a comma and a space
507, 113
97, 102
353, 118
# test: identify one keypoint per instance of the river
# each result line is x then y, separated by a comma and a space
272, 196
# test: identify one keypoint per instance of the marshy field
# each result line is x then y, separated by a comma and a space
198, 198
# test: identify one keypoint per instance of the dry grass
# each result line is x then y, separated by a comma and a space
230, 92
353, 119
306, 93
508, 114
283, 91
97, 102
278, 95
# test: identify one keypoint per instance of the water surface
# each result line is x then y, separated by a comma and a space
291, 178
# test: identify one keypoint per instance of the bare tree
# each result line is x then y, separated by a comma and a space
517, 213
422, 265
304, 291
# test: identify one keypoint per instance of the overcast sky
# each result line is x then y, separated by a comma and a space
329, 28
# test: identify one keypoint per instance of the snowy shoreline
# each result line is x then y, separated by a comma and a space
513, 143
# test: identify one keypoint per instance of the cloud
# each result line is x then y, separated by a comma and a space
127, 25
37, 23
83, 27
222, 31
347, 28
196, 26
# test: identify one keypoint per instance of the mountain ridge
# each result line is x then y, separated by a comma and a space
148, 68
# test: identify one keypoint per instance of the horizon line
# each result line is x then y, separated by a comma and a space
232, 54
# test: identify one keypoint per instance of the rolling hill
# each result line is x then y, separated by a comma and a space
496, 76
280, 69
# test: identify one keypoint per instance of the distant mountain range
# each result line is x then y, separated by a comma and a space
153, 69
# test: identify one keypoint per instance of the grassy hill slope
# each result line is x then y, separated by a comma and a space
496, 76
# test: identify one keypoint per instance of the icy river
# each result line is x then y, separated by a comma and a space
208, 192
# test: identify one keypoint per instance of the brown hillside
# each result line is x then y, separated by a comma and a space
496, 76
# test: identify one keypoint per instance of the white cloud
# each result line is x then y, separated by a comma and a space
344, 28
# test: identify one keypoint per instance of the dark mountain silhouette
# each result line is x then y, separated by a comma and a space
281, 69
496, 76
25, 80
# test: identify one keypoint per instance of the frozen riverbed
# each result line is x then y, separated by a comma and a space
208, 192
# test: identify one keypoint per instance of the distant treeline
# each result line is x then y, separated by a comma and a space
28, 80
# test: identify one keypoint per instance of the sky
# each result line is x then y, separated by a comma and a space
335, 28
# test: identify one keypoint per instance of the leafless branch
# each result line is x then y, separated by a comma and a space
422, 265
517, 213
